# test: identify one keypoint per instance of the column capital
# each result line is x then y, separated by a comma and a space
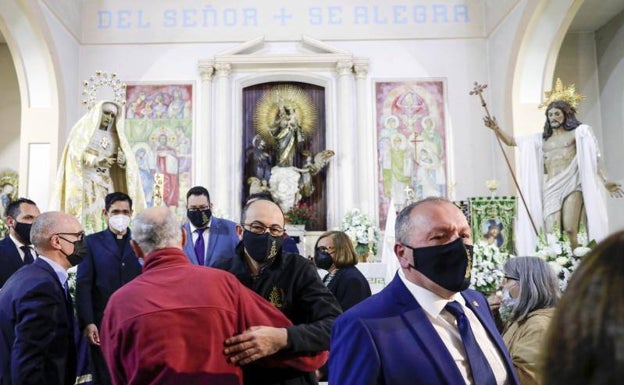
361, 70
344, 67
206, 70
223, 69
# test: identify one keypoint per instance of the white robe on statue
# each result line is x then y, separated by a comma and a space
531, 182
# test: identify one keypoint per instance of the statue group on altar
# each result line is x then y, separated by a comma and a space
284, 119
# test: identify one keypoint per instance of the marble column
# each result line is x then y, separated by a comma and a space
223, 167
366, 150
202, 138
345, 141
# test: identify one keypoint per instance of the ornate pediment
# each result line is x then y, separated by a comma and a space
258, 54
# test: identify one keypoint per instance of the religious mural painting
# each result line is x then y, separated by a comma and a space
159, 127
411, 123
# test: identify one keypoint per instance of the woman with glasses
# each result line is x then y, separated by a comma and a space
530, 294
334, 252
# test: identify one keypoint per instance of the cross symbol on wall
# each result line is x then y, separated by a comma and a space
283, 16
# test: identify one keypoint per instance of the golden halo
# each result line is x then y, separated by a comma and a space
267, 109
559, 93
100, 79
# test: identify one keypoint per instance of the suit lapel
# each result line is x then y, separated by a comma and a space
212, 239
479, 307
189, 250
422, 329
12, 254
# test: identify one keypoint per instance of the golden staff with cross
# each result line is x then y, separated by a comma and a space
478, 90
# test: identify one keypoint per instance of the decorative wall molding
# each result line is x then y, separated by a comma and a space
311, 61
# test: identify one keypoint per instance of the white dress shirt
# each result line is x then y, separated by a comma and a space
19, 245
446, 325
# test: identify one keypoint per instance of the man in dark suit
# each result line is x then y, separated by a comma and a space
36, 316
109, 264
209, 239
424, 327
16, 249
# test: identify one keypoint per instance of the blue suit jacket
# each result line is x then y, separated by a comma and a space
222, 242
104, 269
36, 329
388, 339
10, 260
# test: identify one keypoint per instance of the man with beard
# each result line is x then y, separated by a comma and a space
291, 283
37, 343
16, 250
425, 327
565, 161
208, 238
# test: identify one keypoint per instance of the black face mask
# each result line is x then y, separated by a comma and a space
199, 218
80, 249
323, 259
447, 265
23, 231
261, 247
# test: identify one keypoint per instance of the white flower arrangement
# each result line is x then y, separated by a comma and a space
363, 233
487, 267
560, 256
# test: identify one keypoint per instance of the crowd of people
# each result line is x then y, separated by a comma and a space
212, 301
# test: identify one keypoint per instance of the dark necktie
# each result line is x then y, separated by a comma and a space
28, 257
199, 246
481, 371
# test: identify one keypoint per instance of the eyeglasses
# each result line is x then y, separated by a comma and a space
508, 278
79, 235
259, 228
200, 208
326, 249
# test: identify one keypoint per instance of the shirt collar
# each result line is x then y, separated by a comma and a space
61, 273
432, 303
18, 244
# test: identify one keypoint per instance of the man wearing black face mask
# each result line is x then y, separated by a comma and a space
37, 318
291, 283
208, 239
16, 250
425, 327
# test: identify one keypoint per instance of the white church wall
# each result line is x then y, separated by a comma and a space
610, 57
577, 65
66, 48
500, 61
9, 112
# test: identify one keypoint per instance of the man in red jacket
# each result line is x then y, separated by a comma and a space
168, 325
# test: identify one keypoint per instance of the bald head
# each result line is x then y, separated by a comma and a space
50, 223
156, 228
263, 210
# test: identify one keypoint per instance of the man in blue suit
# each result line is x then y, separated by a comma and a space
209, 239
16, 249
424, 327
36, 315
109, 264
